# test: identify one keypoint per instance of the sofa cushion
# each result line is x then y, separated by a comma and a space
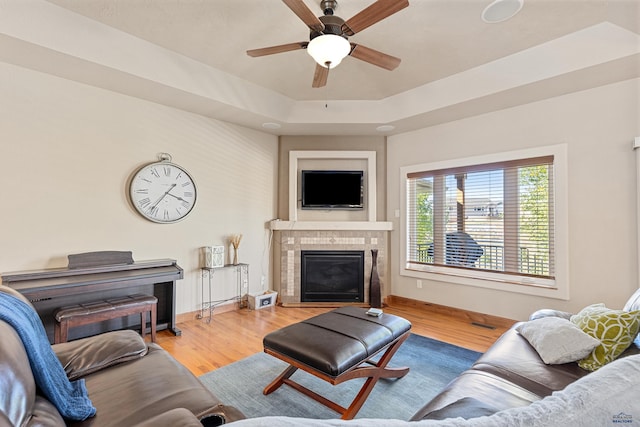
131, 393
494, 393
557, 340
513, 358
85, 356
616, 330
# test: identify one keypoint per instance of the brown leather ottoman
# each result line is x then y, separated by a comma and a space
337, 346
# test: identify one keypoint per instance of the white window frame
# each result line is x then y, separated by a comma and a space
552, 288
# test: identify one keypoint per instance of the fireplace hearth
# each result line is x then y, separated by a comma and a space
332, 276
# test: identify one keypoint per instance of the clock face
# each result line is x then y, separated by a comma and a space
162, 192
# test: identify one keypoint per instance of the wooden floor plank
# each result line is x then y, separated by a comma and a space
234, 335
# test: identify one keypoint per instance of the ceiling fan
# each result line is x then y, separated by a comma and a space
328, 42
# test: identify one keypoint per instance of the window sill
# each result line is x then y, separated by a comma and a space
517, 284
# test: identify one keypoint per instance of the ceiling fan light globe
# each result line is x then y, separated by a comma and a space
329, 50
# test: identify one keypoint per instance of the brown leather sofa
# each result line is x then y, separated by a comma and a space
130, 383
510, 374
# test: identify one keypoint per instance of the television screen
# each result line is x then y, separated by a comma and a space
331, 189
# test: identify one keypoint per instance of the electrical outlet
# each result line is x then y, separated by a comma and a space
419, 284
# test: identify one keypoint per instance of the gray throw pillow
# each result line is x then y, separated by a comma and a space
557, 340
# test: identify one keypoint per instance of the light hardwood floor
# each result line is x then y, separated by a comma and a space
233, 335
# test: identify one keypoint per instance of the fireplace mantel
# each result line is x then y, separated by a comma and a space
331, 225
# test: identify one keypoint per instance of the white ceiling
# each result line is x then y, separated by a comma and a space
453, 64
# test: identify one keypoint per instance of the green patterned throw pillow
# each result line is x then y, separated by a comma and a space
616, 330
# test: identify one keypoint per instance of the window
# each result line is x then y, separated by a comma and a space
490, 219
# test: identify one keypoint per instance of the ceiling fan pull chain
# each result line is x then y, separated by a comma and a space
326, 92
326, 87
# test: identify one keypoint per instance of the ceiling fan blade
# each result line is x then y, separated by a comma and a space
374, 57
320, 76
372, 14
299, 8
277, 49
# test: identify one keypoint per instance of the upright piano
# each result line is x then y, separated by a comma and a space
50, 289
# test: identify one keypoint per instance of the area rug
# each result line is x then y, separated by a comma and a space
433, 365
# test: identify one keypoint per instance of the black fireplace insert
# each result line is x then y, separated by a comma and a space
332, 276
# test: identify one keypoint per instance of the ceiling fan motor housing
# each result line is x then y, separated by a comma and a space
332, 25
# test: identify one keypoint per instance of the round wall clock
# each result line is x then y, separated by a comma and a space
163, 192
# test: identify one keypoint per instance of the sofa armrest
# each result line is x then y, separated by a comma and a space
548, 312
88, 355
179, 417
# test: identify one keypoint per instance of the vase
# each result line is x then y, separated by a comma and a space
235, 256
375, 294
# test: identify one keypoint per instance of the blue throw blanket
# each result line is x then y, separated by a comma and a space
70, 398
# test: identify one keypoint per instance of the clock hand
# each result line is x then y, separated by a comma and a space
162, 197
177, 197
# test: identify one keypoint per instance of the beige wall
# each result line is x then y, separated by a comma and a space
67, 151
599, 126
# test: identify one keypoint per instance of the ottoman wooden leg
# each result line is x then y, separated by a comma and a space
275, 384
373, 374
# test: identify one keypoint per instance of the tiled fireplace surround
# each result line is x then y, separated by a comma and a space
291, 242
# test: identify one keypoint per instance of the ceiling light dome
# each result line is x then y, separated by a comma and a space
329, 50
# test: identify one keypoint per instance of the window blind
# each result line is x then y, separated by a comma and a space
497, 217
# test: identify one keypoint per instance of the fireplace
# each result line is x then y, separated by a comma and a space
332, 276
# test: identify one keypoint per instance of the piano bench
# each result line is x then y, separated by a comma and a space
98, 311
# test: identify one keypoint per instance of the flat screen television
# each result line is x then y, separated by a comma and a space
332, 189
